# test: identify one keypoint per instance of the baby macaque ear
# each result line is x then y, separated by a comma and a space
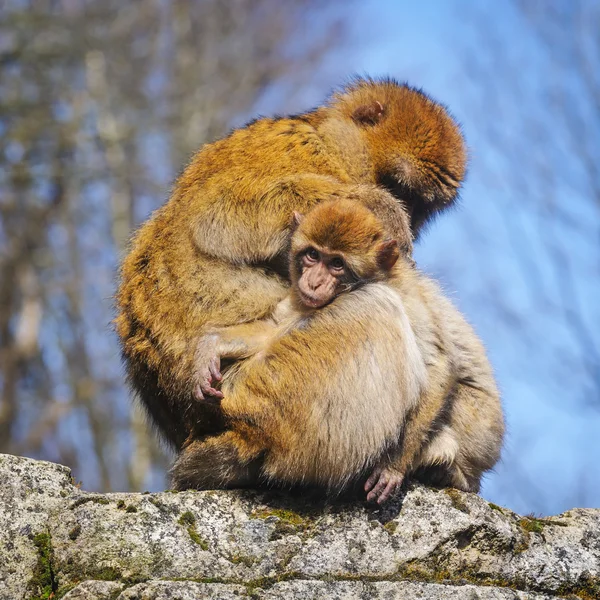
387, 254
369, 114
297, 218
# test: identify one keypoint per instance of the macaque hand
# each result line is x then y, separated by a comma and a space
208, 370
383, 484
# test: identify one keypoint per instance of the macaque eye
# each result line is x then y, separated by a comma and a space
337, 264
312, 254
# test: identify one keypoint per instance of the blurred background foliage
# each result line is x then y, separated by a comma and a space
103, 102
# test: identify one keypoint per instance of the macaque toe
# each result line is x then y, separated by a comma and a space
389, 491
383, 485
372, 480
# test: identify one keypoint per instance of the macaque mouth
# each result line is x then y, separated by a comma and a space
312, 301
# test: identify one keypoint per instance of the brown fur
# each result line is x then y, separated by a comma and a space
212, 255
387, 377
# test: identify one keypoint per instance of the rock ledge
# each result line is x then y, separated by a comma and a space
57, 541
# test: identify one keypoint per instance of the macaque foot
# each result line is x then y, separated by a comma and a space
383, 484
208, 370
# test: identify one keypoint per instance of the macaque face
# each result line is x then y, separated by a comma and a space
336, 248
323, 276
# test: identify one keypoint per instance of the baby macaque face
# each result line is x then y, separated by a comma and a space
323, 276
336, 247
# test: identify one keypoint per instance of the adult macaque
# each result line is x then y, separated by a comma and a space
364, 369
214, 255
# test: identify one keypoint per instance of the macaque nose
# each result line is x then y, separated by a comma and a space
317, 278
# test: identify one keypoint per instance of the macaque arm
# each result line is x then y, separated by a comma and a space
386, 207
389, 210
258, 231
235, 342
246, 339
242, 341
262, 233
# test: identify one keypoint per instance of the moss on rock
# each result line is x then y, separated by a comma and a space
43, 584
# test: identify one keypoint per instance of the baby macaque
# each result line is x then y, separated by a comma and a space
363, 370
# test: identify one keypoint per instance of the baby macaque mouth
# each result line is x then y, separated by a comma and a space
312, 301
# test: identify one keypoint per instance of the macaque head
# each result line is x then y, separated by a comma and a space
336, 247
416, 149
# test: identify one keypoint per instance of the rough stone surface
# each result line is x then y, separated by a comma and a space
57, 541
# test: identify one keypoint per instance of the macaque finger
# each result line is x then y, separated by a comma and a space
198, 393
208, 395
204, 391
210, 391
388, 492
387, 484
214, 393
215, 368
379, 487
372, 480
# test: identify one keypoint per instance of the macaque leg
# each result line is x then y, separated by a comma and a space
445, 463
236, 342
216, 462
388, 476
439, 463
446, 475
431, 451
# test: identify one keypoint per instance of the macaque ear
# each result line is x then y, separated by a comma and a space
369, 114
297, 218
387, 254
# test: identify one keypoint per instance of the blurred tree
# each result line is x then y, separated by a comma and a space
100, 104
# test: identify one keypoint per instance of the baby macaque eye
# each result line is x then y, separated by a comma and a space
312, 254
337, 264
